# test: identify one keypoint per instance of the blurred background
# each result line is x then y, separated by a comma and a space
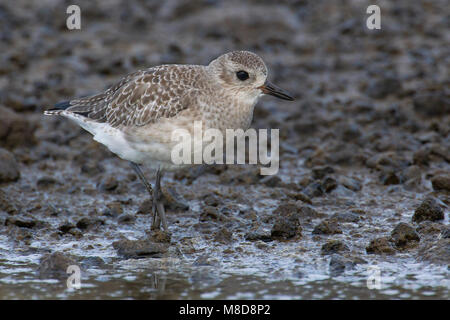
364, 167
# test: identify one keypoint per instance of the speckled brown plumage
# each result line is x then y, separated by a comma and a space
136, 117
142, 97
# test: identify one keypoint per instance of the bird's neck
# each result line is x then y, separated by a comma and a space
239, 110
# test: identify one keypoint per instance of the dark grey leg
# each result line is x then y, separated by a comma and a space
158, 204
140, 174
158, 212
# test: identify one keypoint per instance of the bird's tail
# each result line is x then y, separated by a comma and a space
52, 112
58, 108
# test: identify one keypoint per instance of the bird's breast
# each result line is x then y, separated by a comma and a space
230, 113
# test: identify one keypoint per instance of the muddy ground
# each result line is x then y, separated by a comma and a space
364, 180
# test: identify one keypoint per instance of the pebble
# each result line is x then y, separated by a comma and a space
404, 235
327, 227
334, 246
139, 248
55, 265
429, 209
380, 246
441, 182
9, 168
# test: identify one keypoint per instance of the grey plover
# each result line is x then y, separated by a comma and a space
134, 118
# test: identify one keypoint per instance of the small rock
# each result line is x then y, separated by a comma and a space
297, 209
292, 213
248, 176
7, 204
259, 234
92, 167
429, 209
381, 88
15, 130
314, 189
212, 200
22, 222
341, 191
160, 236
388, 162
271, 181
46, 182
66, 227
389, 178
9, 168
139, 248
115, 208
55, 265
285, 228
380, 246
329, 184
320, 172
300, 196
126, 218
19, 103
223, 236
412, 177
439, 152
333, 246
308, 212
346, 216
338, 264
421, 156
441, 182
261, 245
404, 235
350, 183
88, 223
349, 131
211, 213
109, 184
327, 227
412, 172
432, 104
345, 155
305, 127
21, 234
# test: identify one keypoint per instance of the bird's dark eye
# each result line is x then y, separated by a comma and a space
242, 75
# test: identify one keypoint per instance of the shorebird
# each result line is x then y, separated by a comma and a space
134, 118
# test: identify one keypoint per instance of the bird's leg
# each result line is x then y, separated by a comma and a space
156, 222
140, 174
158, 204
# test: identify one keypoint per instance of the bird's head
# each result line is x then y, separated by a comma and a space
244, 74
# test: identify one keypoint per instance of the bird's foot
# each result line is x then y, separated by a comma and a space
158, 212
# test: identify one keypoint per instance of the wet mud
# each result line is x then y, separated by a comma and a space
364, 181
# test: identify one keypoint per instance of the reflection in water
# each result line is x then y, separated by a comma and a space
202, 283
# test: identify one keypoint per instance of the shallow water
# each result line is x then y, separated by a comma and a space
344, 117
159, 279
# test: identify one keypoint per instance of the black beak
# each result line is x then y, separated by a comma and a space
273, 90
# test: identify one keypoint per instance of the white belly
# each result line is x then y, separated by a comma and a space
154, 153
